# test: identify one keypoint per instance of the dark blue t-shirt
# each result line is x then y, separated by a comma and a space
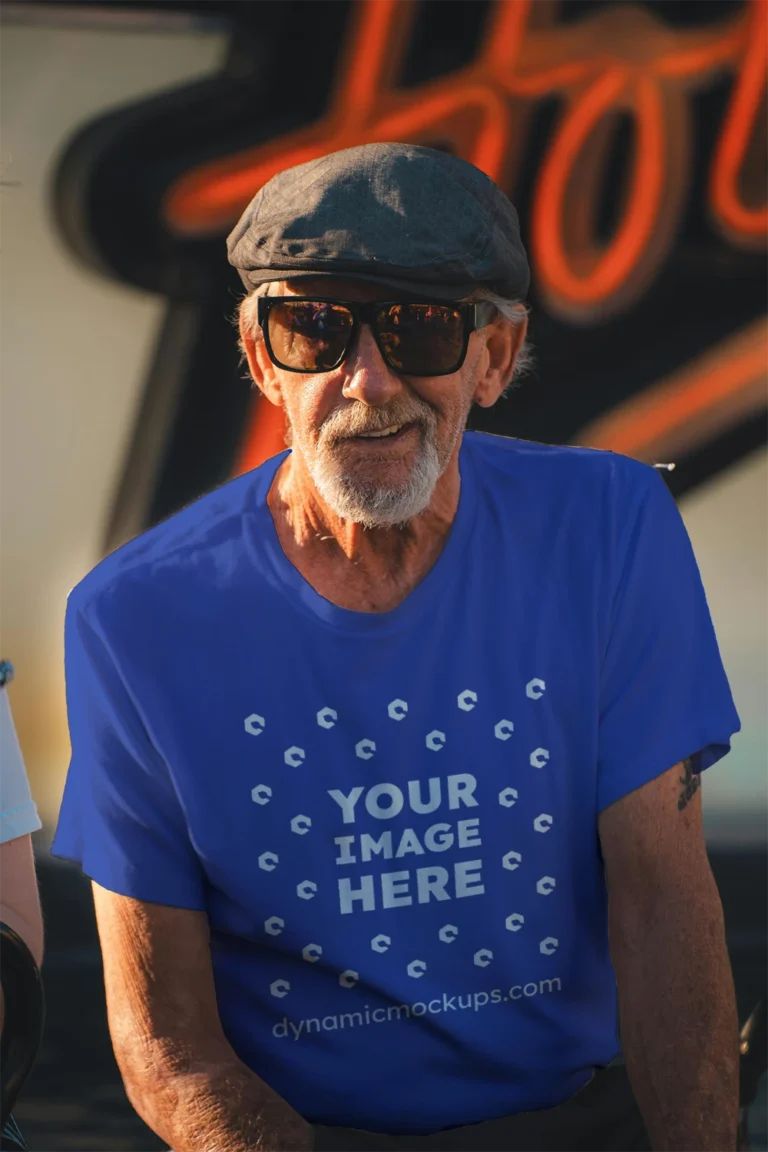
391, 819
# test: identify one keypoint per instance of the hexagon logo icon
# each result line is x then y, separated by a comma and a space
365, 749
261, 794
503, 730
294, 756
311, 953
448, 933
508, 797
380, 943
255, 724
535, 688
327, 717
416, 968
349, 978
435, 740
306, 890
545, 885
467, 700
301, 825
268, 861
512, 860
483, 957
548, 946
274, 926
279, 987
514, 922
543, 823
539, 757
397, 709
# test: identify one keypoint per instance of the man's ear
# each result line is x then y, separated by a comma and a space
259, 364
503, 342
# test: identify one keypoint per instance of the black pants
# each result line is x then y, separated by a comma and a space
602, 1117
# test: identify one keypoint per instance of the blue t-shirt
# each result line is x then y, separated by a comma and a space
391, 819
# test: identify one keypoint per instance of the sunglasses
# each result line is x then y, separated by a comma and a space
304, 334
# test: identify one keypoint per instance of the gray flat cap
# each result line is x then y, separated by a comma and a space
413, 218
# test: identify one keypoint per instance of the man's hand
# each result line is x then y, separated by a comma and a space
180, 1072
679, 1027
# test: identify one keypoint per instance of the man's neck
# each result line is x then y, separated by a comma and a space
363, 569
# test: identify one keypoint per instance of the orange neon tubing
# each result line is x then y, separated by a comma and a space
488, 152
669, 406
735, 134
264, 438
210, 195
623, 253
506, 34
539, 84
367, 56
704, 57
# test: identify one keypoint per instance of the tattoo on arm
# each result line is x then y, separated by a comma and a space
690, 784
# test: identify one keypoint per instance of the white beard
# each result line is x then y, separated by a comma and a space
362, 502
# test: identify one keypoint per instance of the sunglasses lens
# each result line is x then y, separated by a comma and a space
421, 339
310, 336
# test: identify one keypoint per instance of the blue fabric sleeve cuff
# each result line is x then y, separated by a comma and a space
125, 881
707, 749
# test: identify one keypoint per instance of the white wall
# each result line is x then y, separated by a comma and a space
727, 520
73, 355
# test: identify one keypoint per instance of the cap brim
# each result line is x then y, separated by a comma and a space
429, 291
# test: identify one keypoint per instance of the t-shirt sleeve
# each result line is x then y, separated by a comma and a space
664, 694
18, 811
120, 818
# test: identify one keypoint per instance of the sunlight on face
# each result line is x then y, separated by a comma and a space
375, 482
360, 490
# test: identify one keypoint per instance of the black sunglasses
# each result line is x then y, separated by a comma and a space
310, 334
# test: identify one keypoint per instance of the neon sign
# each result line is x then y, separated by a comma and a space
677, 415
618, 60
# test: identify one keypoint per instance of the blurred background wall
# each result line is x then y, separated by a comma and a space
80, 342
75, 348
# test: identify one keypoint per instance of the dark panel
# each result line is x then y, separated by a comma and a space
212, 409
110, 182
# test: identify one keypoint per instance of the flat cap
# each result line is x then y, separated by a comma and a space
413, 218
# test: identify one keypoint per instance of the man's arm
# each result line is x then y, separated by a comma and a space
19, 897
679, 1026
179, 1070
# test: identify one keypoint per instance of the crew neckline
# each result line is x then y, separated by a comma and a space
284, 576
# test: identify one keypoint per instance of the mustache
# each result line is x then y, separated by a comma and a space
353, 421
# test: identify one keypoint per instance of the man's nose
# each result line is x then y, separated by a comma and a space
367, 378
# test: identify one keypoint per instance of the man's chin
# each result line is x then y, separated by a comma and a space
376, 492
376, 508
372, 505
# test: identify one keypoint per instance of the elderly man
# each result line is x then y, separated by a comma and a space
386, 756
